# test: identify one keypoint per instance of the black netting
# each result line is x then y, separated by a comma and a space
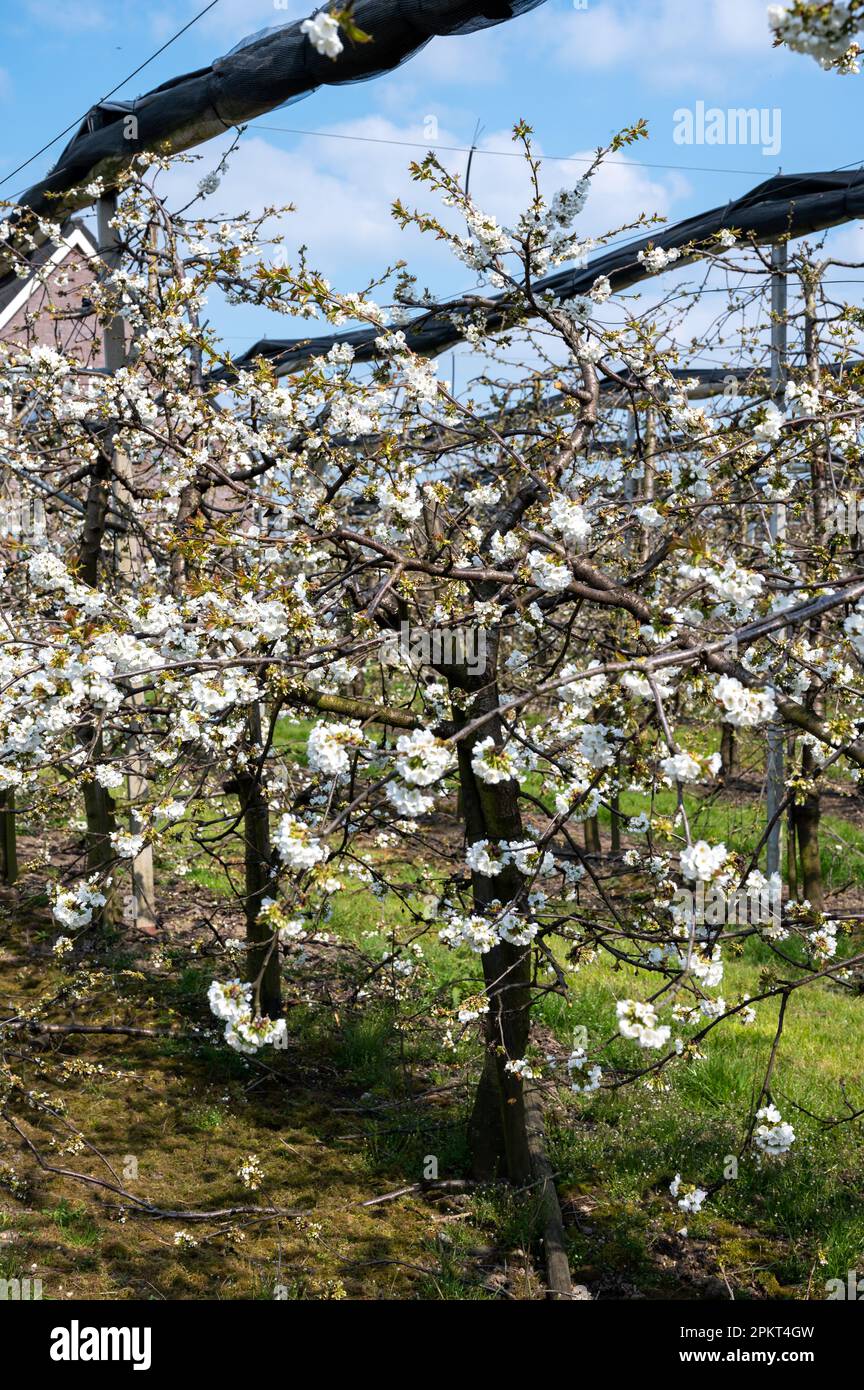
790, 204
267, 71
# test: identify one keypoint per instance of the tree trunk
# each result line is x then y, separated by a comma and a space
807, 817
615, 820
497, 1130
101, 822
99, 806
8, 841
792, 856
98, 802
262, 955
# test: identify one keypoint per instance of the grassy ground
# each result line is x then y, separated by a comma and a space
778, 1231
364, 1103
172, 1122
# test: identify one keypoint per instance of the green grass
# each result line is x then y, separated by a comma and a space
776, 1230
74, 1221
207, 1118
358, 1120
628, 1145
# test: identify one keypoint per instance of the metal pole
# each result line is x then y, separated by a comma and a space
775, 782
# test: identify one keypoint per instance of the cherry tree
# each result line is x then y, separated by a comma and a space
504, 611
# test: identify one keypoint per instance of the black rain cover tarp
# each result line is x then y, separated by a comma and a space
264, 72
789, 204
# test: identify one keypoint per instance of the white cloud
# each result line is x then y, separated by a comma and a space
343, 189
230, 21
666, 42
454, 59
74, 17
235, 20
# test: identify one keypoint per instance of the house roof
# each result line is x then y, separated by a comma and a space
16, 290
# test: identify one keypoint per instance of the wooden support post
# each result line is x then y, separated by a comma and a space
806, 811
126, 561
559, 1285
649, 454
775, 789
593, 844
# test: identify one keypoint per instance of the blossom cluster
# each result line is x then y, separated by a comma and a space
245, 1032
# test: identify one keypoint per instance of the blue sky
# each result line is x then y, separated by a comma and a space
576, 74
